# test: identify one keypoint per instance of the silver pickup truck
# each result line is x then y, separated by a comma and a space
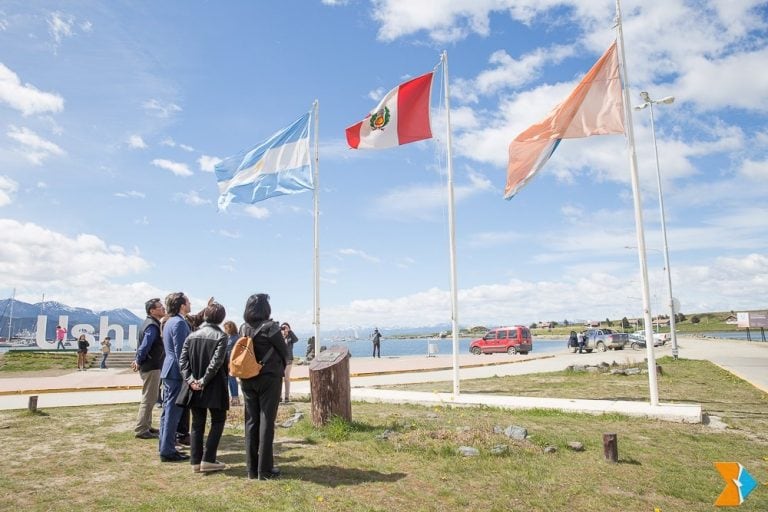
603, 339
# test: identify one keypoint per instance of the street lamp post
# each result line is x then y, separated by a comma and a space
648, 102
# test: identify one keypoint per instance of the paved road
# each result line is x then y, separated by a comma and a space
748, 360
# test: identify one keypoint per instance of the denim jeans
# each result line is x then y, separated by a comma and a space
104, 360
232, 387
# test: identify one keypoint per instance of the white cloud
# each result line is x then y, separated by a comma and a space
258, 212
377, 94
26, 98
60, 26
426, 202
131, 194
228, 234
81, 269
733, 89
159, 109
176, 168
8, 188
580, 293
135, 141
360, 254
445, 20
755, 170
208, 163
192, 198
36, 148
168, 141
509, 72
335, 2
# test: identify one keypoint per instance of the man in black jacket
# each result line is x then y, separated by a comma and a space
149, 360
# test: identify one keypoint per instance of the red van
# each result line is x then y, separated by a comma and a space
512, 340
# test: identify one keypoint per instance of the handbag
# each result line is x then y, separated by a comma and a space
242, 361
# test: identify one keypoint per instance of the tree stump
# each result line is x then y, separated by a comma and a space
330, 386
32, 404
611, 447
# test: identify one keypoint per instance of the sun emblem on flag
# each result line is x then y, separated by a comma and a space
379, 119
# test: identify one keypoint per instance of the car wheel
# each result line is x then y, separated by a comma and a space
511, 351
635, 345
600, 346
476, 351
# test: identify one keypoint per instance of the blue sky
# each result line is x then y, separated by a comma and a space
112, 115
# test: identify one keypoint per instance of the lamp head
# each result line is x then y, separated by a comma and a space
641, 107
667, 100
646, 98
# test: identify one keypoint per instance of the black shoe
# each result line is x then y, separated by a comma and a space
154, 431
273, 474
176, 457
147, 435
183, 440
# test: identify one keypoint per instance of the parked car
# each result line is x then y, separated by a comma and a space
604, 339
512, 340
637, 339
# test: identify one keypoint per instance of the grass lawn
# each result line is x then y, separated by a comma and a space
86, 458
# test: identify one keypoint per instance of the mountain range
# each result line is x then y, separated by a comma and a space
24, 316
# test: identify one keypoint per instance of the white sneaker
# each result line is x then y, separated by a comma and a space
195, 468
206, 467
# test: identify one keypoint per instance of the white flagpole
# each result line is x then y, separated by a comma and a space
451, 233
316, 218
641, 252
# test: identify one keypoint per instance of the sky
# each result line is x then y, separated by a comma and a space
113, 115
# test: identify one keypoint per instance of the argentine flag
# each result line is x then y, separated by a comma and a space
277, 166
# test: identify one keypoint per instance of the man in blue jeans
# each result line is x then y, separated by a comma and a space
175, 331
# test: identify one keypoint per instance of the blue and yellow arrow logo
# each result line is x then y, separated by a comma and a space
738, 484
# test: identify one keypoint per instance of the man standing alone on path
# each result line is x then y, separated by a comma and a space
376, 336
149, 360
61, 333
175, 332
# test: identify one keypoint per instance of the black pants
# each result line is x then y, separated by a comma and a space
208, 454
262, 396
376, 348
182, 430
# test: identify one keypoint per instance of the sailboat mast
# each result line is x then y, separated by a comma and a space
10, 317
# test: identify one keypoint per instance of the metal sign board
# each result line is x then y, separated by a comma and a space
328, 356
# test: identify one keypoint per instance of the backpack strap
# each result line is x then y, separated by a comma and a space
253, 340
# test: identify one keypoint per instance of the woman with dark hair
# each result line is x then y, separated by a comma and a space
231, 329
262, 393
82, 352
204, 370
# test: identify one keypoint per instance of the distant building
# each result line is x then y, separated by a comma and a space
731, 320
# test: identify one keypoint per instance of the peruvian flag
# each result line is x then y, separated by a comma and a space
401, 117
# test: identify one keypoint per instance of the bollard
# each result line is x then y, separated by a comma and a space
611, 448
32, 405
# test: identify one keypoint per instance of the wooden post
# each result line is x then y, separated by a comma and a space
32, 405
330, 386
611, 448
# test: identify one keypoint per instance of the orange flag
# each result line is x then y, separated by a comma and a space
595, 107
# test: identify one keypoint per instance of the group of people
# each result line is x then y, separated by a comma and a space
187, 355
577, 341
82, 348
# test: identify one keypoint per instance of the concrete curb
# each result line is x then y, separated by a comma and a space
40, 391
